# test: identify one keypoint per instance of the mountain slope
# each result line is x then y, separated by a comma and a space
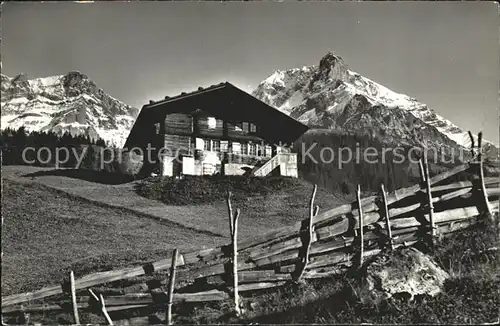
333, 97
70, 102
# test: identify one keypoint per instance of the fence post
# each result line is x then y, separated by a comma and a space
25, 317
73, 297
361, 237
171, 285
313, 211
100, 300
231, 216
472, 145
233, 225
479, 186
427, 202
429, 198
386, 214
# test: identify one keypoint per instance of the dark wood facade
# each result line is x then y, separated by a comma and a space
217, 126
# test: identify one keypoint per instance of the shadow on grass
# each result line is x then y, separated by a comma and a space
325, 310
463, 301
102, 177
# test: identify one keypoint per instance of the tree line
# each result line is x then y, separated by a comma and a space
20, 147
383, 166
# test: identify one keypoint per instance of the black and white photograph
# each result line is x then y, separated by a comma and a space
250, 162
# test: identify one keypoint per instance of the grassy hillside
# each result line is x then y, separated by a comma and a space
471, 295
46, 233
275, 201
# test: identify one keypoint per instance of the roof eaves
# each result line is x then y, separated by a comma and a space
186, 95
277, 112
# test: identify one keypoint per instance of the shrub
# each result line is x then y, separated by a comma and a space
207, 189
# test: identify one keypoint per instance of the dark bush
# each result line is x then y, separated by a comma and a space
207, 189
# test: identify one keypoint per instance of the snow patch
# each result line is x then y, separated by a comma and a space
289, 89
52, 109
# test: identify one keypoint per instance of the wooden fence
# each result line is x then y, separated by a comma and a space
324, 244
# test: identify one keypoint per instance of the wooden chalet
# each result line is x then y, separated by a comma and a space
219, 129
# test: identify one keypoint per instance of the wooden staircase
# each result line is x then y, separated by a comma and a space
268, 167
255, 168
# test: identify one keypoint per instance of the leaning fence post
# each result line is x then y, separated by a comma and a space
386, 214
104, 311
424, 165
171, 285
231, 216
235, 262
100, 300
73, 297
480, 182
233, 225
313, 211
472, 145
361, 237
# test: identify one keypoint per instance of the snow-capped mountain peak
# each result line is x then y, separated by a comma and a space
70, 102
330, 95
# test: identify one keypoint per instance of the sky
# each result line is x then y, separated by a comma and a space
445, 54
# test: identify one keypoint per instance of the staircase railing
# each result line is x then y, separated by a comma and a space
269, 166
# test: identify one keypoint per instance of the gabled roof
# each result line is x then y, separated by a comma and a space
224, 101
184, 95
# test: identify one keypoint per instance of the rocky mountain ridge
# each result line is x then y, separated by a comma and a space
64, 103
331, 96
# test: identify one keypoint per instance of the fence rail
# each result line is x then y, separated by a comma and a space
324, 244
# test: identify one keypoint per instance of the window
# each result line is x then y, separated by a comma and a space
212, 123
244, 148
252, 149
244, 126
261, 149
216, 145
207, 145
219, 123
224, 146
236, 148
269, 151
253, 127
212, 145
